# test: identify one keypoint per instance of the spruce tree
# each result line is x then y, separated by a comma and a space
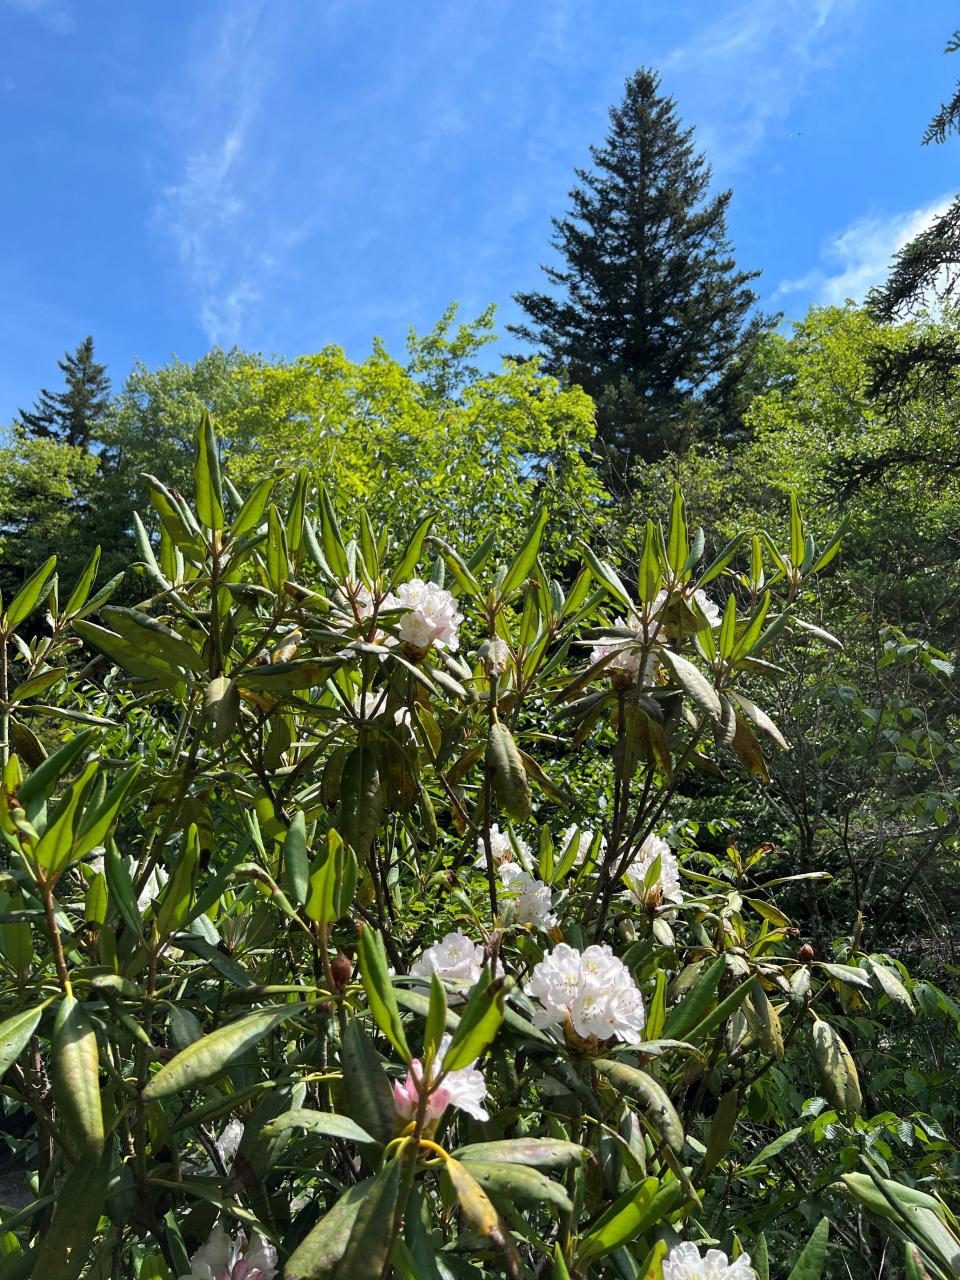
650, 314
73, 415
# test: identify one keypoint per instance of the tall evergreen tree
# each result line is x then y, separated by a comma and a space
73, 415
650, 313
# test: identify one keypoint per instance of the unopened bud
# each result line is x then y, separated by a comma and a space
342, 970
495, 656
806, 953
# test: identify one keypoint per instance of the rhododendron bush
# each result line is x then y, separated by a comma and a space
350, 928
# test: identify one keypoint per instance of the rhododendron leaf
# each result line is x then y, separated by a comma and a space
516, 1183
410, 556
323, 1248
541, 1153
507, 773
891, 985
366, 1088
651, 1096
15, 1033
481, 1215
436, 1018
479, 1023
206, 476
625, 1219
64, 1248
721, 1129
28, 597
606, 576
832, 547
379, 989
677, 539
367, 1253
809, 1266
524, 560
685, 1016
725, 1009
325, 1123
250, 514
694, 683
838, 1072
295, 859
203, 1061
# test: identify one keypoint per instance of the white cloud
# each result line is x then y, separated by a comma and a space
860, 256
748, 68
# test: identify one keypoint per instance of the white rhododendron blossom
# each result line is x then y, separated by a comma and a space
453, 958
592, 992
668, 882
526, 901
225, 1258
629, 659
465, 1089
226, 1145
684, 1262
502, 847
355, 598
583, 845
708, 607
431, 615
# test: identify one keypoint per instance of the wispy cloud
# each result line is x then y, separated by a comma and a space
216, 206
751, 66
860, 256
55, 15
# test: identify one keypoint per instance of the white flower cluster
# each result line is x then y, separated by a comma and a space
454, 958
223, 1258
527, 901
501, 846
465, 1089
668, 881
684, 1262
700, 598
591, 991
430, 615
583, 844
629, 659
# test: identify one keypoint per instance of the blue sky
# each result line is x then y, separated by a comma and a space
287, 174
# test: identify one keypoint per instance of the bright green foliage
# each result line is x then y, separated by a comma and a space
478, 447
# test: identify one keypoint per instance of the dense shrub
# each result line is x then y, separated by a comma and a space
354, 923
